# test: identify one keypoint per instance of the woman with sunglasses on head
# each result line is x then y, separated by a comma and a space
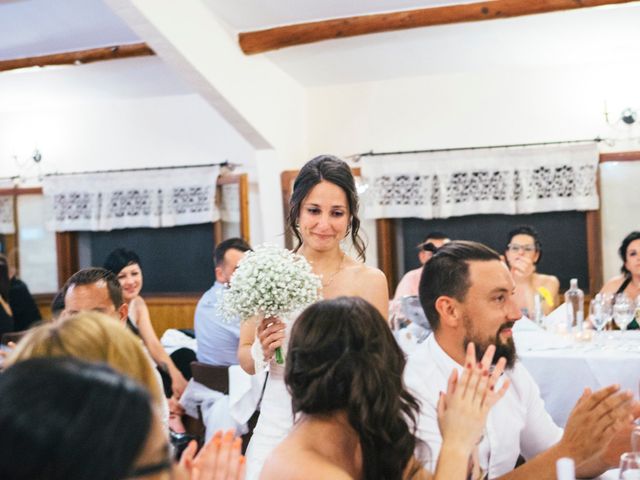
408, 285
522, 254
323, 213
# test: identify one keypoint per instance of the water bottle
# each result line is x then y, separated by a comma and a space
574, 300
565, 469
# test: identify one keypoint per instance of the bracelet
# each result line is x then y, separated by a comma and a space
257, 354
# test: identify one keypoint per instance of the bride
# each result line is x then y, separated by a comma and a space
323, 212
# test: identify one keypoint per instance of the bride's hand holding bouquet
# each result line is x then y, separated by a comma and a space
270, 283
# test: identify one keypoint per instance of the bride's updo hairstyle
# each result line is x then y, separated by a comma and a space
343, 357
333, 170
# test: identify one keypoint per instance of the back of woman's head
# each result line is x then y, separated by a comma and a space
332, 170
64, 419
120, 258
93, 337
343, 357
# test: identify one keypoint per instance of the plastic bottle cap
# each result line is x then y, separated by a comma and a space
565, 469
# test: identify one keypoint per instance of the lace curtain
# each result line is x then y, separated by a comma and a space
7, 225
149, 198
501, 180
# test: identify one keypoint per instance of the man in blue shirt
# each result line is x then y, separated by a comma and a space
217, 338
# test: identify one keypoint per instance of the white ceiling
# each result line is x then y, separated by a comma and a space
601, 35
607, 34
30, 28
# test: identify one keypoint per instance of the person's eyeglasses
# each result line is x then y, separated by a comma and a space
146, 470
514, 247
429, 247
153, 468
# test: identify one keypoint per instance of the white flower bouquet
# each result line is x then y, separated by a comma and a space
270, 281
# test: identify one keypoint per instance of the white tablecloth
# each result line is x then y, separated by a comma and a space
563, 367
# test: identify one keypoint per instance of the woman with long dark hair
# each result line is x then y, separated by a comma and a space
323, 214
628, 283
354, 417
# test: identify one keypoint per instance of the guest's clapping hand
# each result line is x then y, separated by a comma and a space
219, 459
463, 410
595, 421
271, 335
522, 267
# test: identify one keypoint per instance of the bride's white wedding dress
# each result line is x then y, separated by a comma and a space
276, 417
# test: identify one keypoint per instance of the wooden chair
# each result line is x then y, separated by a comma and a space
217, 378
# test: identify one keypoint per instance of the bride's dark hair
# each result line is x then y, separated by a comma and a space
343, 357
333, 170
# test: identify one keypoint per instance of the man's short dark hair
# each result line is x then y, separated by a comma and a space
91, 275
435, 236
530, 231
447, 273
228, 244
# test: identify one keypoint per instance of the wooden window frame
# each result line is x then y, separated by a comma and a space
67, 242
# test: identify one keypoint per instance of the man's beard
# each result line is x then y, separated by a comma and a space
504, 348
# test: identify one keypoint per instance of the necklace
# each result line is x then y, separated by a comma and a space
333, 275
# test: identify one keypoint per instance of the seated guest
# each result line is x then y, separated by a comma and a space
96, 289
125, 265
354, 417
217, 339
408, 285
468, 296
6, 315
629, 281
523, 252
52, 418
57, 305
23, 306
93, 337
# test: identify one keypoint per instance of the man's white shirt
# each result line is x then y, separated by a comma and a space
517, 424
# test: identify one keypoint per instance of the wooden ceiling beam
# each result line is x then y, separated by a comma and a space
79, 57
261, 41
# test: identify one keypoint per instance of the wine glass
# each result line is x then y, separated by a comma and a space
601, 310
629, 466
623, 311
635, 439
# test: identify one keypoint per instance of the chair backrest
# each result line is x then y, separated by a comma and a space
216, 378
12, 337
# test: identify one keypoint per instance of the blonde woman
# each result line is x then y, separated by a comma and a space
93, 337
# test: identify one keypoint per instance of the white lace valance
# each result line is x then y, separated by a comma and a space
7, 225
149, 198
501, 180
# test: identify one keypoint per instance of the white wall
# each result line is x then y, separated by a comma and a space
474, 109
482, 109
120, 114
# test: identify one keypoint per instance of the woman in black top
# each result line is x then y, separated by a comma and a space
629, 281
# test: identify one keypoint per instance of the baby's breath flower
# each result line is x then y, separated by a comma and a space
270, 281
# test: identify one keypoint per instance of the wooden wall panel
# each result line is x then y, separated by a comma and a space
166, 311
171, 312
